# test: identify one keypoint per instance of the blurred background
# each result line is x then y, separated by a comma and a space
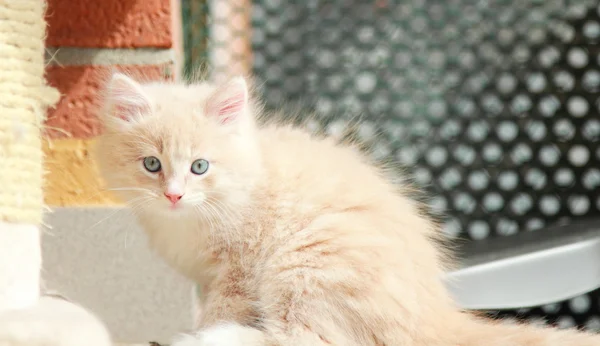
491, 107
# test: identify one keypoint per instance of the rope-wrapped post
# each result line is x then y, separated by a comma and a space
25, 318
24, 98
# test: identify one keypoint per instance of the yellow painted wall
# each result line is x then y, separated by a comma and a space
72, 178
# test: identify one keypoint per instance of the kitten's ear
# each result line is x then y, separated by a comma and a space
229, 102
126, 98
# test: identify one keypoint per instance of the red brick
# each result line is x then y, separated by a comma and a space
110, 23
75, 115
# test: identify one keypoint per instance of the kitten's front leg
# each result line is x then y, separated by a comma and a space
228, 317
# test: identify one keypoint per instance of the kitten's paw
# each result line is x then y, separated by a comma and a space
223, 335
52, 322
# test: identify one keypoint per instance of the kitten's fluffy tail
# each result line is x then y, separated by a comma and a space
502, 333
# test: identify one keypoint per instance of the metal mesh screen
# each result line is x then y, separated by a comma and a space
492, 104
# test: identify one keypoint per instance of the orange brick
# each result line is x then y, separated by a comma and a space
75, 115
110, 23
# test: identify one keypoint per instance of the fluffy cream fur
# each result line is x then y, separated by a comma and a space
295, 239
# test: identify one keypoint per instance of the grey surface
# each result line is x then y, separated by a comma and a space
101, 56
523, 243
98, 257
529, 269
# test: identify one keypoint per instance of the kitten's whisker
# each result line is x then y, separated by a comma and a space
202, 211
105, 218
119, 210
219, 220
136, 209
231, 210
217, 213
232, 215
224, 215
195, 200
141, 202
150, 192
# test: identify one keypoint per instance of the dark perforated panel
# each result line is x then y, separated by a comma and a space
491, 104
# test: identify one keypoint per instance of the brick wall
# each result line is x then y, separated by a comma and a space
86, 40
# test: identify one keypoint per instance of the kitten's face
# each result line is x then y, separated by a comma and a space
179, 149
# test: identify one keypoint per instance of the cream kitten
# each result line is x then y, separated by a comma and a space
296, 240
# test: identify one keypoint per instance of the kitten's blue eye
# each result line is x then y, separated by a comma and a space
199, 167
152, 164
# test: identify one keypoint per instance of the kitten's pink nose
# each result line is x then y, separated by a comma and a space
173, 197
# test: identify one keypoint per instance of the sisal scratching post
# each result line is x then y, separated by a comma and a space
24, 98
26, 319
